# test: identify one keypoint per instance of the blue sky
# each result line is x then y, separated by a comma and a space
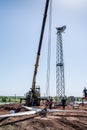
20, 25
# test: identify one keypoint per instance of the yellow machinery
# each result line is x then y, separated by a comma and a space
33, 96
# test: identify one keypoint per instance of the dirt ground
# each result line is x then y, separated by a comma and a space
74, 120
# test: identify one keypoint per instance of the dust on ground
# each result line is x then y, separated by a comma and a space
76, 120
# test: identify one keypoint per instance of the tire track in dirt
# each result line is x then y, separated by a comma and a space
77, 125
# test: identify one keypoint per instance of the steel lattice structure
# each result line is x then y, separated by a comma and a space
60, 81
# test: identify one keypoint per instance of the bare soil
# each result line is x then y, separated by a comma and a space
76, 120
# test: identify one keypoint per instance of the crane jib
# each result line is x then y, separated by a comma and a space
43, 27
40, 44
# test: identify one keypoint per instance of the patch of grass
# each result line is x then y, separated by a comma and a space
9, 99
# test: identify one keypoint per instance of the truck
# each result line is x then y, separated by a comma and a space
33, 95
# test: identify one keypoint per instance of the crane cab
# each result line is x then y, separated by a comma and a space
33, 98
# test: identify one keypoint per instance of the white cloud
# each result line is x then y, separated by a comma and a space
71, 4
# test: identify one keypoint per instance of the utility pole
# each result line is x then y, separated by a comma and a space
60, 81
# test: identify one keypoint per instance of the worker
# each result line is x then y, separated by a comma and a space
50, 102
85, 92
30, 103
63, 101
43, 113
46, 103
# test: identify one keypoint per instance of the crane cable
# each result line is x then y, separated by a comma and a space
49, 50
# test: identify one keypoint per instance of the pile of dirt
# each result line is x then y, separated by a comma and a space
65, 120
50, 122
5, 109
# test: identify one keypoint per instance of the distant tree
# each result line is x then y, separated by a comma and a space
4, 99
9, 100
77, 99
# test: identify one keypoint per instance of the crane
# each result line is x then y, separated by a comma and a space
34, 93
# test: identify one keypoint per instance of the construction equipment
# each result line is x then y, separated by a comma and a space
33, 96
